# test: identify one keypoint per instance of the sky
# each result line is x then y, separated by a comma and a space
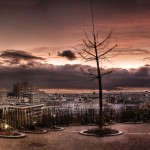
40, 41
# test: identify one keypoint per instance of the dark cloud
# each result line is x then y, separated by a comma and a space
146, 58
72, 77
68, 54
143, 71
131, 51
14, 56
133, 78
143, 1
42, 25
19, 2
47, 77
13, 61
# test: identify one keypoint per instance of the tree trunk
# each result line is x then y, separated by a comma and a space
100, 97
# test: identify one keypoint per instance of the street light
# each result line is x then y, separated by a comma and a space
5, 126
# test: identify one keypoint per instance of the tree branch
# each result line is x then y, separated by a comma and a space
97, 34
92, 76
88, 46
109, 72
104, 46
87, 59
107, 51
89, 53
88, 39
109, 35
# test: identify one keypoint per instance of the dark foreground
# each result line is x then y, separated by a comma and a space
135, 137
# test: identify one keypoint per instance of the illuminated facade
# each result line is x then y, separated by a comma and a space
22, 115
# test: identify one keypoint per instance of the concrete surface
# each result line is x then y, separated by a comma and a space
135, 137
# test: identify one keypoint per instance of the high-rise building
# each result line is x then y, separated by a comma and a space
26, 92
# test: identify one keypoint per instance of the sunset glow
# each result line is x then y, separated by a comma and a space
48, 35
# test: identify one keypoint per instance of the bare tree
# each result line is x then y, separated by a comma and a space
97, 51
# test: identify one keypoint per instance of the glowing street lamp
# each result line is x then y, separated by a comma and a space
5, 126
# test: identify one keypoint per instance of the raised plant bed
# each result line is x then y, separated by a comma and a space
101, 132
55, 128
6, 131
35, 131
132, 122
5, 134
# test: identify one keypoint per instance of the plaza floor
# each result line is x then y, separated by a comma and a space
135, 137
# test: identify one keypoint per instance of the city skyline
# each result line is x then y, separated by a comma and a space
39, 41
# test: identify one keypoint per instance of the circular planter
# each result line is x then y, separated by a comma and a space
21, 135
56, 129
83, 132
35, 132
140, 122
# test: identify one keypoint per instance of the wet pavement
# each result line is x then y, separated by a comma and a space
135, 137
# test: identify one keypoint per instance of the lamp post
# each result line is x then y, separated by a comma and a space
54, 116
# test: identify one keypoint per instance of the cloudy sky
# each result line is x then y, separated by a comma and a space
40, 41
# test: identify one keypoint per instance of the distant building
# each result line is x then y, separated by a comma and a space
26, 92
43, 96
3, 96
